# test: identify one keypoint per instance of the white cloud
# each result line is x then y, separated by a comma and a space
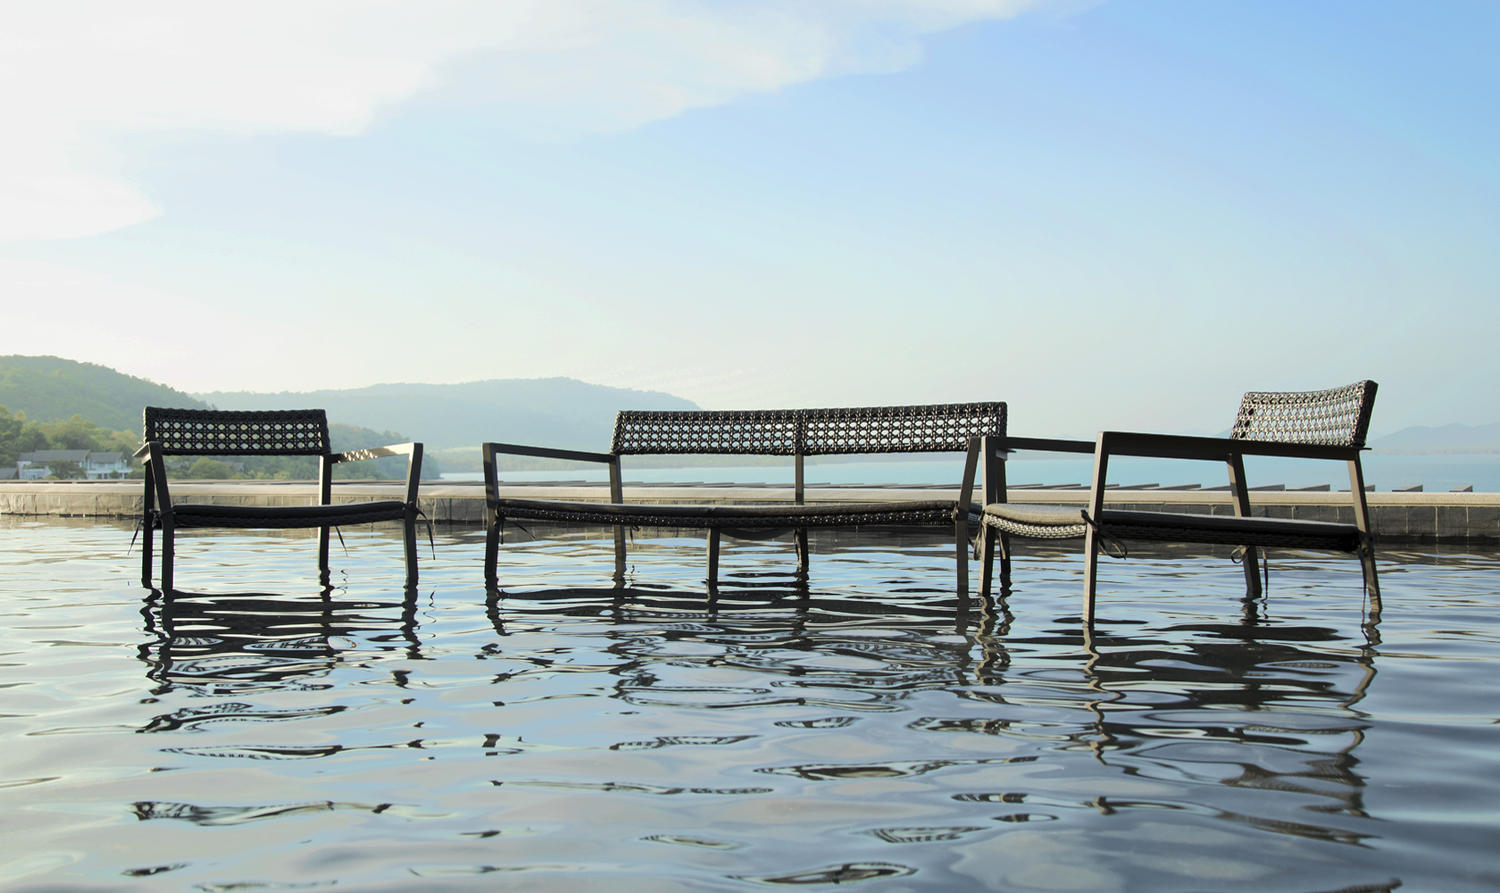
76, 77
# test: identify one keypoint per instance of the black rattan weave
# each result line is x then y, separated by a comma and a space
212, 432
1333, 417
740, 517
810, 432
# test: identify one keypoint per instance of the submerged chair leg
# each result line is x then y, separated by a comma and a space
168, 556
1251, 562
961, 556
323, 550
1371, 581
147, 546
713, 557
987, 559
410, 542
491, 553
619, 554
1090, 573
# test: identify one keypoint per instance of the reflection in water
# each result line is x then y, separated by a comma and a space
227, 643
874, 727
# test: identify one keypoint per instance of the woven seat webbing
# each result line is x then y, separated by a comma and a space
1334, 417
885, 429
296, 432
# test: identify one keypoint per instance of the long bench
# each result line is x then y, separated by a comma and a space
796, 433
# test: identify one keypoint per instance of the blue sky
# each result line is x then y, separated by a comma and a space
1113, 214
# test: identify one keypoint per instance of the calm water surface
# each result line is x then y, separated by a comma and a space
254, 732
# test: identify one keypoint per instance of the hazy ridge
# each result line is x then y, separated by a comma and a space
561, 412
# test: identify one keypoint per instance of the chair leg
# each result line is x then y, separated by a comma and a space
1003, 541
1372, 582
987, 559
147, 546
803, 555
168, 556
713, 557
619, 554
491, 553
410, 541
1251, 562
323, 550
961, 557
1090, 574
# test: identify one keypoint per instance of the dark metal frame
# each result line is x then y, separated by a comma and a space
795, 433
303, 432
1327, 424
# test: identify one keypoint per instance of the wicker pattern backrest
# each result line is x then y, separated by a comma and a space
1335, 417
295, 432
810, 432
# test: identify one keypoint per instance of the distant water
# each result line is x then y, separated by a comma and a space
256, 733
1387, 472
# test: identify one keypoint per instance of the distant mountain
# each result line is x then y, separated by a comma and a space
560, 412
1453, 438
50, 389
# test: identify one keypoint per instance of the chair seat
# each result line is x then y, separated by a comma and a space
288, 516
1229, 530
1048, 522
726, 517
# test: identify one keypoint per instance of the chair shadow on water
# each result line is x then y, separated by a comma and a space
223, 643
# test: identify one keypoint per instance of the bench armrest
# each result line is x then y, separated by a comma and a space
515, 449
492, 449
1006, 443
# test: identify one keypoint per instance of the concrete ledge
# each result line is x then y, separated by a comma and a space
1397, 516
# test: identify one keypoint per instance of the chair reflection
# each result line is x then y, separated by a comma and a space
225, 643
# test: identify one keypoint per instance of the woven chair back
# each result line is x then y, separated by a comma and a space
294, 432
808, 432
1334, 417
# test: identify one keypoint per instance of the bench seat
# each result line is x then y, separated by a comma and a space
730, 516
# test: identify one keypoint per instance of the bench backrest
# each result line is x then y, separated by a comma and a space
212, 432
1334, 417
807, 432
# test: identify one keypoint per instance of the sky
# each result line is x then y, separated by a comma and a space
1107, 213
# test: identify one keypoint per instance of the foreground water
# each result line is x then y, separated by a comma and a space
256, 732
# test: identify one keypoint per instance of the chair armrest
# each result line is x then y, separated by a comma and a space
1180, 446
413, 452
145, 449
380, 452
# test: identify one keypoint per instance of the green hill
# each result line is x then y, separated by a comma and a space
51, 389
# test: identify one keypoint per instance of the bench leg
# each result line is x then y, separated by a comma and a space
713, 557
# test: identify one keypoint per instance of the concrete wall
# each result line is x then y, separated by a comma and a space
1397, 517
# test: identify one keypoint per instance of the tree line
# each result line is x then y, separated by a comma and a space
18, 435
